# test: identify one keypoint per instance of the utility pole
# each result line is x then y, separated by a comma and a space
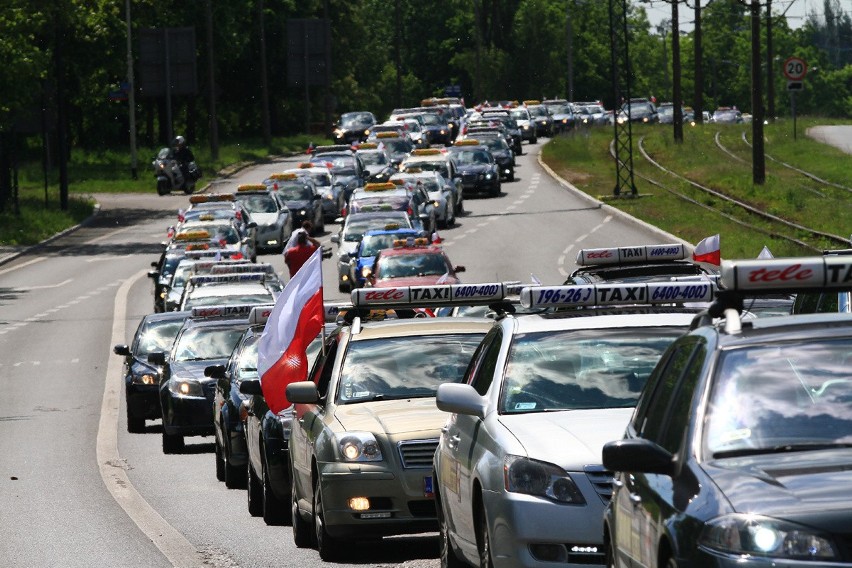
131, 98
570, 32
758, 157
398, 53
621, 73
266, 128
214, 121
770, 82
677, 97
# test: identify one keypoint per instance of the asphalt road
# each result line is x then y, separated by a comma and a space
78, 490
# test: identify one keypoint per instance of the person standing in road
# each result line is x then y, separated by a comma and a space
307, 228
295, 257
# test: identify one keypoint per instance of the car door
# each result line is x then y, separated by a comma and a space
464, 434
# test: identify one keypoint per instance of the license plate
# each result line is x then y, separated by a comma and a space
428, 489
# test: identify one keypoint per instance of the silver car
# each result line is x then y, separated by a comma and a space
518, 474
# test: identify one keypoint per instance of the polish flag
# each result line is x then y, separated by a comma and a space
708, 251
296, 319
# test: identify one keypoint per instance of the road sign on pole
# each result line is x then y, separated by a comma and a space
795, 68
795, 85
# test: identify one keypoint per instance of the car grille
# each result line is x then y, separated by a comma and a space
417, 453
601, 480
469, 178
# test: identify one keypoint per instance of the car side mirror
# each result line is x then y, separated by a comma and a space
153, 274
335, 239
251, 225
459, 268
251, 386
637, 455
215, 371
154, 264
303, 392
121, 349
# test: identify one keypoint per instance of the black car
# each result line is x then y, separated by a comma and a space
513, 130
304, 201
738, 453
503, 155
347, 169
439, 131
563, 115
156, 332
376, 161
638, 110
541, 117
267, 438
477, 169
207, 338
353, 127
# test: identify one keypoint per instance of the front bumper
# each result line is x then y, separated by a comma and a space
143, 401
188, 416
398, 500
475, 185
269, 237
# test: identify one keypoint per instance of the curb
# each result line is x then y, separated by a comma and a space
610, 209
20, 251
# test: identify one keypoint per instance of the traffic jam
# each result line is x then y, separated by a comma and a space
659, 407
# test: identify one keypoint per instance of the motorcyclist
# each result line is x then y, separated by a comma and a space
184, 156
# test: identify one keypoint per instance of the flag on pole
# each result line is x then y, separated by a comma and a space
296, 319
708, 251
765, 254
535, 279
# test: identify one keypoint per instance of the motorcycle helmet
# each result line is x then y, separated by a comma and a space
179, 142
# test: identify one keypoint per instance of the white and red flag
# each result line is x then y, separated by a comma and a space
296, 319
708, 251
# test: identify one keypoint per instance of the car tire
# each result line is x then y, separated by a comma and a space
344, 287
534, 140
274, 511
135, 425
220, 464
235, 477
172, 443
448, 556
451, 215
483, 541
189, 189
327, 546
302, 530
495, 190
511, 176
254, 493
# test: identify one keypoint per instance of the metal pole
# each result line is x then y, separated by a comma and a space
758, 157
570, 31
677, 97
793, 109
770, 83
131, 97
169, 126
307, 88
214, 121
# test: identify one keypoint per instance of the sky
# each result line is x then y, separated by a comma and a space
796, 11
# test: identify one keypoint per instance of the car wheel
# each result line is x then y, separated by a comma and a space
670, 562
534, 140
448, 555
327, 546
254, 493
344, 287
302, 534
483, 541
609, 555
135, 425
220, 464
189, 189
235, 477
495, 190
274, 511
512, 175
451, 213
172, 443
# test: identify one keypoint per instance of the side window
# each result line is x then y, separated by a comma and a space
321, 372
651, 422
680, 410
485, 374
472, 372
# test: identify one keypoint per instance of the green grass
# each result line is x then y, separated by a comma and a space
584, 160
108, 171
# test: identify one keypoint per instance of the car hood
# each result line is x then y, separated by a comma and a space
375, 168
265, 218
348, 247
809, 486
572, 438
393, 417
474, 169
194, 369
298, 204
436, 195
365, 261
415, 281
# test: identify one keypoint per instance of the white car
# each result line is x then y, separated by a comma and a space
518, 474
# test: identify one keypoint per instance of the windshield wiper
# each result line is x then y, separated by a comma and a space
780, 449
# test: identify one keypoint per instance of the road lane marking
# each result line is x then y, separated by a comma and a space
107, 236
22, 265
176, 548
45, 286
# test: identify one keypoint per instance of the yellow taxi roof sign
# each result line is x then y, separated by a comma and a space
210, 197
426, 152
251, 187
387, 135
368, 146
283, 176
532, 102
379, 186
192, 236
306, 165
467, 142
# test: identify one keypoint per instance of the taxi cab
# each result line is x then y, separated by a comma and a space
255, 287
411, 262
270, 215
738, 453
333, 199
634, 264
208, 337
518, 473
373, 241
361, 449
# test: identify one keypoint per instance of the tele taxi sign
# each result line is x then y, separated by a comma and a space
616, 294
437, 295
259, 314
222, 311
227, 278
829, 272
641, 253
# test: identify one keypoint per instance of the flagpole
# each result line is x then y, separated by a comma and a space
322, 329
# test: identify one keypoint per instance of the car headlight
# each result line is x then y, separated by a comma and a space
764, 536
542, 479
359, 447
365, 271
328, 196
144, 379
339, 132
443, 131
487, 176
436, 204
186, 387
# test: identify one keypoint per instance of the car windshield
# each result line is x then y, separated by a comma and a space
182, 274
157, 336
725, 114
520, 114
495, 144
538, 111
321, 179
238, 298
388, 368
264, 203
355, 120
431, 119
433, 166
467, 157
374, 158
411, 265
200, 343
560, 109
354, 230
336, 163
579, 369
769, 398
372, 244
637, 108
397, 146
296, 193
665, 110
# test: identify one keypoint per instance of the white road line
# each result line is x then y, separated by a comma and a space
46, 286
108, 236
176, 548
27, 263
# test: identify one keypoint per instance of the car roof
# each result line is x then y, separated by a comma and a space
412, 251
596, 319
797, 327
421, 326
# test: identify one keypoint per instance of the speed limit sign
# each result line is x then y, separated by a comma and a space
795, 68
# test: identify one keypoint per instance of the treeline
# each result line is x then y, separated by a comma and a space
383, 54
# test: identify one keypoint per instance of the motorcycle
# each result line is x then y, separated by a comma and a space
170, 176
